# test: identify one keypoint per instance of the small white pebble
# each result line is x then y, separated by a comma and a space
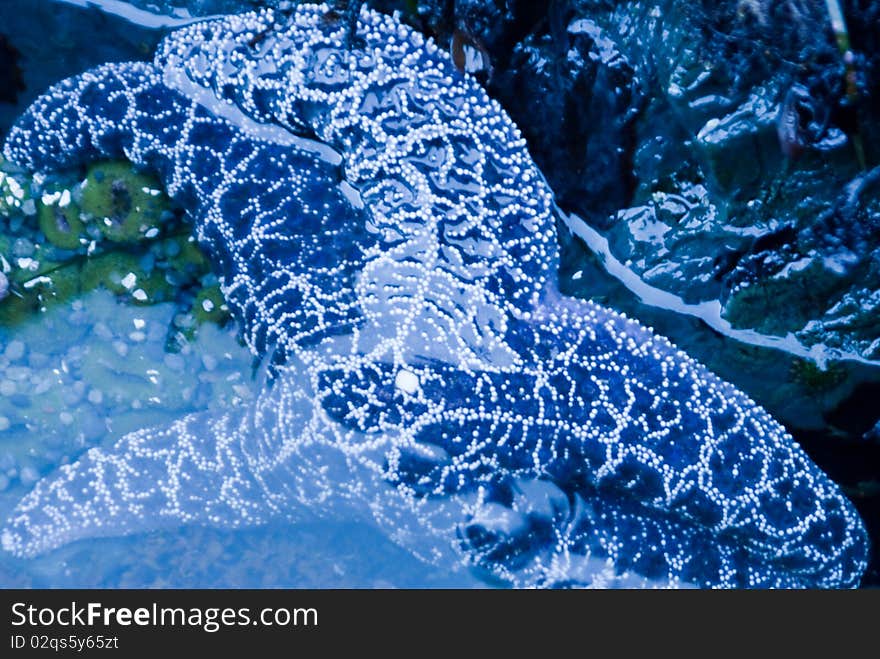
174, 362
50, 198
14, 351
29, 476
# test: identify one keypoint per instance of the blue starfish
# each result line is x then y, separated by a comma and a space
382, 232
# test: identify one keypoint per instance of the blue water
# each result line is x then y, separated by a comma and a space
83, 375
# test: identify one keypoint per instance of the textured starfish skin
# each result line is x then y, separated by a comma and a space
429, 377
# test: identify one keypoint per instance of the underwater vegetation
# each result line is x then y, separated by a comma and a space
390, 249
115, 229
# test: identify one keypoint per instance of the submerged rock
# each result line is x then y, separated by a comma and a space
11, 81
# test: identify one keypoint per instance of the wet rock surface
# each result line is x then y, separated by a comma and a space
11, 82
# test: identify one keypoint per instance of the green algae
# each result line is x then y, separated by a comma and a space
209, 306
58, 286
123, 274
185, 256
18, 307
59, 220
126, 205
116, 230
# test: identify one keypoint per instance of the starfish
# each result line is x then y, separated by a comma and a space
386, 241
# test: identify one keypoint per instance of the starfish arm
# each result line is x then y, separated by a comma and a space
196, 470
601, 441
269, 212
89, 116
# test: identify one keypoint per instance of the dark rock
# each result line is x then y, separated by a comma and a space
11, 81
